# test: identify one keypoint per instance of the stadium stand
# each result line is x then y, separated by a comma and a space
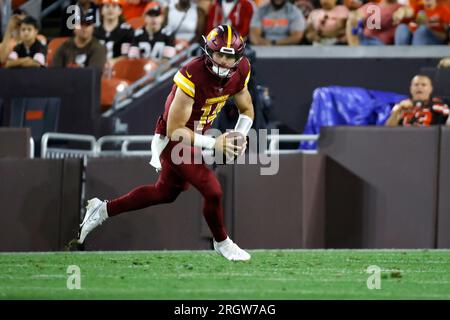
41, 115
53, 45
133, 69
136, 22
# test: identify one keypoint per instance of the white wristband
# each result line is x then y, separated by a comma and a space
202, 141
243, 124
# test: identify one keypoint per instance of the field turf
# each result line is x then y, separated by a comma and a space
271, 274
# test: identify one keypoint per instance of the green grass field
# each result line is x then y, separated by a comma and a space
271, 274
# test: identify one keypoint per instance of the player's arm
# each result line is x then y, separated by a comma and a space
244, 103
179, 114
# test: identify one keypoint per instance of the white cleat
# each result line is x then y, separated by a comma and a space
230, 250
95, 215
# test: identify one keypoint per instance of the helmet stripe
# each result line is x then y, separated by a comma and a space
229, 36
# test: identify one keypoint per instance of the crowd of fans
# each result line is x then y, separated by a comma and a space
105, 31
101, 33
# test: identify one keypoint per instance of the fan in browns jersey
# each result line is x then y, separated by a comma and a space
115, 36
422, 109
200, 90
152, 41
30, 52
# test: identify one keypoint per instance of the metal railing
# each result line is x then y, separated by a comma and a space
31, 155
121, 146
65, 151
274, 143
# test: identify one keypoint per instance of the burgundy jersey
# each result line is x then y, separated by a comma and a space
208, 91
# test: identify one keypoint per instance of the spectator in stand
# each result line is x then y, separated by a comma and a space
305, 6
421, 109
362, 27
114, 35
237, 13
423, 23
82, 50
277, 23
204, 5
133, 8
152, 41
444, 63
11, 36
77, 8
30, 52
327, 25
186, 21
354, 4
261, 3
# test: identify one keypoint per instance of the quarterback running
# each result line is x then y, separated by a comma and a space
200, 90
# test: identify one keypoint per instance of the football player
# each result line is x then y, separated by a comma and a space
201, 89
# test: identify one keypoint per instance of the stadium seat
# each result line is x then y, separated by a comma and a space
109, 88
133, 69
54, 44
17, 3
41, 115
136, 22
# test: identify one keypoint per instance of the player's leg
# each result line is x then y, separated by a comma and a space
205, 181
167, 188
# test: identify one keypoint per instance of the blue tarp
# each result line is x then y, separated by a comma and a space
351, 106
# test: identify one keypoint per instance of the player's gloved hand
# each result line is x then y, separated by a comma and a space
228, 145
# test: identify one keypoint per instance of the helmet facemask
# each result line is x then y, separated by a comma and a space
218, 69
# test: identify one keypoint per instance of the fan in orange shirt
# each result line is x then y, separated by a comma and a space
133, 9
423, 22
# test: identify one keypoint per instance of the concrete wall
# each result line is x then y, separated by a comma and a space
167, 226
40, 203
369, 187
15, 142
381, 186
443, 221
78, 89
